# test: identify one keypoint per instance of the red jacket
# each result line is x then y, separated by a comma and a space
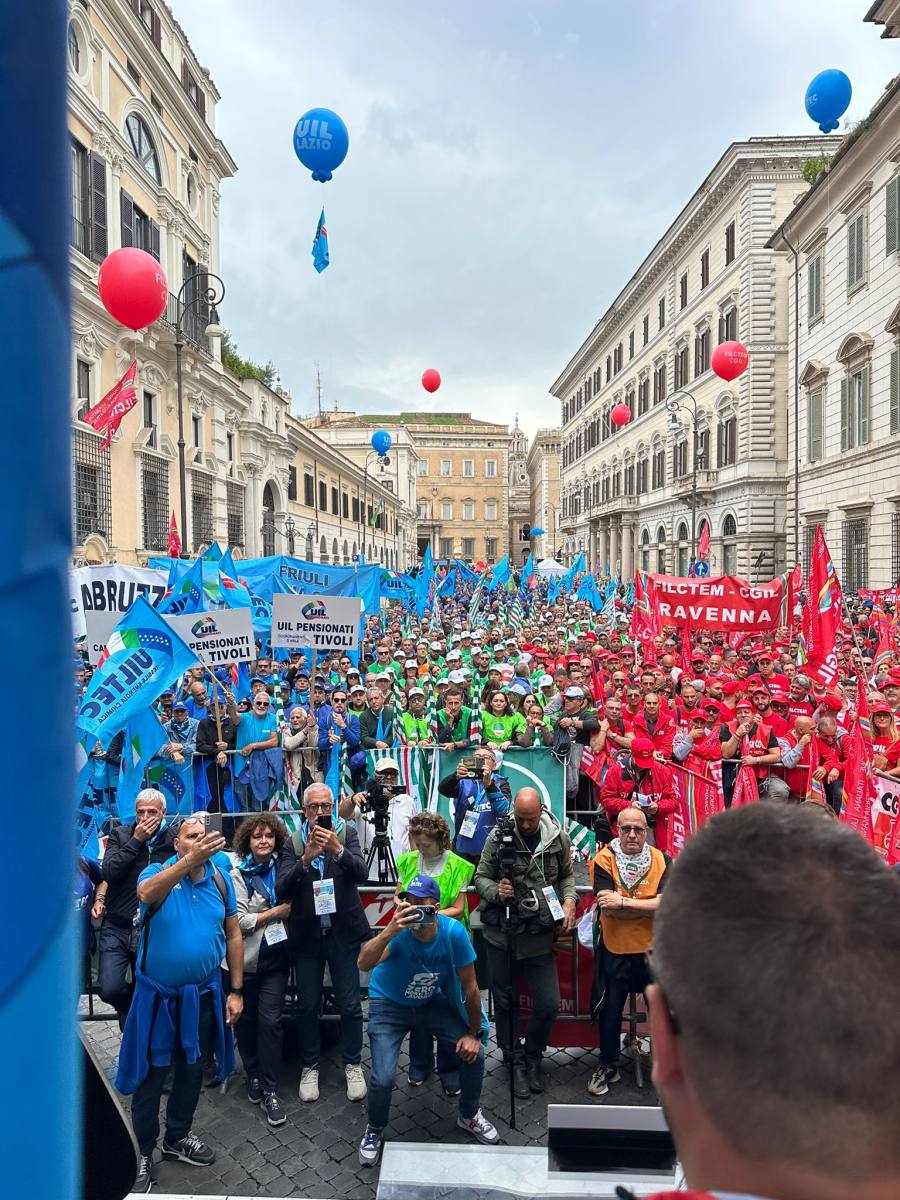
618, 792
831, 757
663, 731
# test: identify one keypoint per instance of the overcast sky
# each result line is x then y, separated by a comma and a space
511, 162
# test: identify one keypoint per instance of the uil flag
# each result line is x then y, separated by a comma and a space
821, 617
703, 541
108, 413
320, 245
174, 542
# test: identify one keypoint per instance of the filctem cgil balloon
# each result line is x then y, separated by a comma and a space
321, 142
828, 98
381, 442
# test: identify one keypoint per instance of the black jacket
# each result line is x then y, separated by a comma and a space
349, 925
368, 726
126, 856
208, 735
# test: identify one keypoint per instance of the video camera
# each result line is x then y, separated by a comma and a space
506, 848
378, 801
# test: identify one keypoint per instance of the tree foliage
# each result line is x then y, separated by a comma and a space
245, 368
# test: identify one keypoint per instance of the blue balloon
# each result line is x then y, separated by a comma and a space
381, 442
828, 98
538, 532
321, 142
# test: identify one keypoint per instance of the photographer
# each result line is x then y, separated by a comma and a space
480, 795
572, 732
526, 869
384, 802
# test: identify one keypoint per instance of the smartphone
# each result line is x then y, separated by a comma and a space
424, 914
471, 767
214, 823
324, 821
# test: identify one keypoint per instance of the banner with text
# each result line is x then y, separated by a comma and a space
110, 590
699, 799
318, 623
217, 638
724, 602
886, 817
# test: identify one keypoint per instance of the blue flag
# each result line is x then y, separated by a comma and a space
499, 575
144, 736
144, 657
320, 245
86, 816
527, 572
423, 582
186, 595
587, 590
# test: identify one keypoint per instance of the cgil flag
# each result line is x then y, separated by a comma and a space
173, 545
821, 618
120, 399
703, 541
320, 255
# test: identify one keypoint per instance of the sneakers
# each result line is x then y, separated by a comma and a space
308, 1090
275, 1114
480, 1128
189, 1149
417, 1080
145, 1177
254, 1090
370, 1147
450, 1088
598, 1084
356, 1082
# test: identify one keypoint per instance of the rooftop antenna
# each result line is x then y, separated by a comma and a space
319, 388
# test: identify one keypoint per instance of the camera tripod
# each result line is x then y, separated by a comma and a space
382, 851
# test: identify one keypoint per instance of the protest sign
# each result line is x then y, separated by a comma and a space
217, 638
724, 602
111, 590
319, 623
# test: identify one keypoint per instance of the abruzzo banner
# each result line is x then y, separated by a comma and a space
110, 591
724, 602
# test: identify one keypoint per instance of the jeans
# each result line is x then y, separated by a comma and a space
543, 984
246, 799
309, 973
389, 1024
259, 1032
118, 952
421, 1058
182, 1102
621, 974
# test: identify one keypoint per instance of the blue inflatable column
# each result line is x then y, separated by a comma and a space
39, 1141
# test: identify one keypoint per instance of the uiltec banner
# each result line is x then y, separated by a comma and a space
217, 638
725, 602
318, 623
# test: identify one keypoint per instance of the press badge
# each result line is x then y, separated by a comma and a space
553, 902
469, 825
323, 897
274, 933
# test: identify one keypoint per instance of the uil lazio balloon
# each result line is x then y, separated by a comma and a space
381, 442
828, 98
321, 142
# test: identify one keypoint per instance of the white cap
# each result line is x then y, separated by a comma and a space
457, 677
545, 681
452, 655
387, 764
410, 663
415, 692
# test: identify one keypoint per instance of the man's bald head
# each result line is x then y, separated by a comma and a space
527, 808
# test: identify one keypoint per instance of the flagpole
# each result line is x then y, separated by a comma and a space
215, 696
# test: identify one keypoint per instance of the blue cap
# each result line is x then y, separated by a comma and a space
421, 887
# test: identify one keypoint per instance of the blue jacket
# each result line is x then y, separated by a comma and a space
350, 735
486, 806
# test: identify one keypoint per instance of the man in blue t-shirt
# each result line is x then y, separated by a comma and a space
189, 924
423, 977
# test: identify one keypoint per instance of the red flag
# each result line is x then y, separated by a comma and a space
644, 626
174, 540
108, 413
746, 789
703, 541
859, 780
686, 651
821, 616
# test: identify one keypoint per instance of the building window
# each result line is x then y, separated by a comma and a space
156, 104
726, 441
81, 197
659, 468
895, 545
150, 418
643, 395
659, 383
490, 468
608, 367
814, 308
729, 548
82, 387
728, 325
355, 518
490, 510
422, 466
133, 71
661, 551
490, 549
309, 491
445, 547
631, 344
292, 483
701, 352
201, 509
704, 269
229, 450
815, 428
684, 550
855, 537
335, 502
137, 228
641, 477
145, 12
681, 367
628, 480
682, 291
856, 251
618, 358
345, 505
323, 496
446, 510
855, 410
468, 468
91, 490
468, 547
154, 502
421, 509
662, 312
195, 93
445, 467
703, 450
646, 329
74, 48
729, 243
196, 431
142, 146
680, 459
234, 499
468, 510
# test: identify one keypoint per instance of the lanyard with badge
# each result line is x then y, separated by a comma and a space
473, 816
549, 891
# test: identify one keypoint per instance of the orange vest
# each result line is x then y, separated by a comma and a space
630, 937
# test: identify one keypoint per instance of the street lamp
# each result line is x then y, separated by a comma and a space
385, 462
289, 530
213, 294
674, 407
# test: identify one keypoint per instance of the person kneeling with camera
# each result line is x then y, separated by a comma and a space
527, 888
423, 979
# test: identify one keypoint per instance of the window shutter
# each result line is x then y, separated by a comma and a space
154, 240
895, 391
156, 30
201, 103
864, 407
99, 232
845, 432
851, 254
814, 446
892, 216
126, 205
860, 264
185, 74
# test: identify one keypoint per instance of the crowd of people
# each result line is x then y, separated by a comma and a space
262, 885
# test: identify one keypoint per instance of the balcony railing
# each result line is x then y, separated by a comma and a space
193, 325
705, 480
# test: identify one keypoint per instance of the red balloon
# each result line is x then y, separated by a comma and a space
729, 359
431, 380
620, 415
133, 287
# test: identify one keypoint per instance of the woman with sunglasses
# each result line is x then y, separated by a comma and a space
885, 739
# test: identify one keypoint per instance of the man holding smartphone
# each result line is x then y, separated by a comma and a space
423, 977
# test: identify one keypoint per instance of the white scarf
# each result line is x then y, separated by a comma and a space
631, 867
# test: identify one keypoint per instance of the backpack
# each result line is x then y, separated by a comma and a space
221, 888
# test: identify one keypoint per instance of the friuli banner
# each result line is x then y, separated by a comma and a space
724, 602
